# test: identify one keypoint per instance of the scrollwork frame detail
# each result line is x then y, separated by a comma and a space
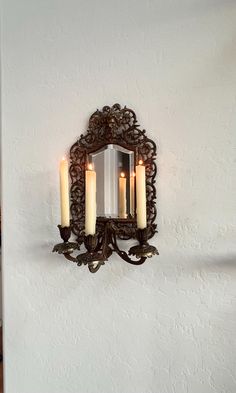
112, 125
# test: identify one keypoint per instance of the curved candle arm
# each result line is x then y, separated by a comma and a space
123, 254
70, 257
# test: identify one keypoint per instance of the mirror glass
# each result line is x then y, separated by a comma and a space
114, 166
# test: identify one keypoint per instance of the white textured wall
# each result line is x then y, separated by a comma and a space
167, 326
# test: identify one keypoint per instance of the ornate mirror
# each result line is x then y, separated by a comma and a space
118, 150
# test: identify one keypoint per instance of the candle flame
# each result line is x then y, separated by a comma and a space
134, 174
63, 158
90, 167
122, 174
140, 162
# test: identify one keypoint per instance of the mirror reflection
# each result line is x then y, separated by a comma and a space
115, 181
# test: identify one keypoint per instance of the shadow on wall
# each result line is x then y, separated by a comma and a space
223, 263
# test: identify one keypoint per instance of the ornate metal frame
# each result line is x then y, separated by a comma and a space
111, 125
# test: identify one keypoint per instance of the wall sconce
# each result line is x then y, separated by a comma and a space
112, 192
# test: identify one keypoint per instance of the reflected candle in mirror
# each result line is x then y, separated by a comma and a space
132, 188
122, 196
90, 201
141, 196
64, 192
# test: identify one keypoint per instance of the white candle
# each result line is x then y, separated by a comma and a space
141, 196
122, 196
132, 181
64, 191
90, 201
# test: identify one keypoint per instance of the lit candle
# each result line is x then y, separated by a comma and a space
64, 191
122, 196
132, 179
90, 201
141, 196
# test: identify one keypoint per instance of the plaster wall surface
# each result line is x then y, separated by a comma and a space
169, 325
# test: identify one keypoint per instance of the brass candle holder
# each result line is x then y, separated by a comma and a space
143, 249
66, 247
92, 257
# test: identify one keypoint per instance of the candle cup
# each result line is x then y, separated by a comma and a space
66, 247
142, 236
90, 243
143, 249
65, 233
92, 257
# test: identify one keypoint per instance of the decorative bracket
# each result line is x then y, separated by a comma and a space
99, 250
